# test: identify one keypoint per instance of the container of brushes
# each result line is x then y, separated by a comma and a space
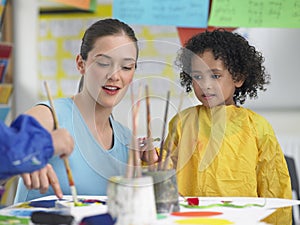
131, 201
165, 190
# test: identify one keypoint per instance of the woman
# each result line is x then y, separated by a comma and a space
107, 62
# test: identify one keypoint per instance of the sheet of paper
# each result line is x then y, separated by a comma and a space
189, 13
239, 216
82, 4
255, 13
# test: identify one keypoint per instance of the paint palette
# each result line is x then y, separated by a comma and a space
81, 203
86, 206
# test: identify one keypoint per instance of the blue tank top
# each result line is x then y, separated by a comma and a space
91, 165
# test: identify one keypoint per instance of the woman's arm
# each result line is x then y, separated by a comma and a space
43, 115
45, 177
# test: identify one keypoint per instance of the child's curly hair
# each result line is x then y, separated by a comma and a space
241, 59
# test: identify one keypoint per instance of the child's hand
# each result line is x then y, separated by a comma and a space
42, 179
63, 142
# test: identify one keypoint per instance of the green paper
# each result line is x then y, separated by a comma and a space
93, 6
255, 13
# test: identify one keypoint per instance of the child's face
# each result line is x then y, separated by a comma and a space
109, 69
212, 83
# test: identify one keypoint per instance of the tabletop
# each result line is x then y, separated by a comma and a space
210, 210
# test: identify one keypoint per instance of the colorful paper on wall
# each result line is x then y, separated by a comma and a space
186, 33
189, 13
93, 5
81, 4
255, 13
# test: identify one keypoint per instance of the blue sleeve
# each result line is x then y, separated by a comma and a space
25, 146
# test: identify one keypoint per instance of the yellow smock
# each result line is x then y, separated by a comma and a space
228, 151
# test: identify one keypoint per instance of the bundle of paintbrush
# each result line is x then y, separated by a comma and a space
154, 159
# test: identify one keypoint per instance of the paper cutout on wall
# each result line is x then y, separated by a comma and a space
255, 13
186, 33
81, 4
189, 13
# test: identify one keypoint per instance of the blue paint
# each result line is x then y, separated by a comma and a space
21, 212
43, 203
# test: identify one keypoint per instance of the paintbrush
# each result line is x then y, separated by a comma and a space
137, 159
163, 131
149, 135
133, 165
172, 134
130, 163
66, 161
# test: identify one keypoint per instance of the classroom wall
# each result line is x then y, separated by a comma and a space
280, 104
25, 55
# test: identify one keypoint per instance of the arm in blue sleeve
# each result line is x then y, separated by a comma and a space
25, 146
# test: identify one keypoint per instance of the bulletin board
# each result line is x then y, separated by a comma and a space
59, 42
60, 39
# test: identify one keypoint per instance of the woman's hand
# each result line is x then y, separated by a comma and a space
42, 179
148, 152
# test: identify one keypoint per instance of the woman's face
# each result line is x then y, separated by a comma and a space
212, 83
109, 69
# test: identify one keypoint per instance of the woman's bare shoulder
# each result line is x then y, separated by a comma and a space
43, 114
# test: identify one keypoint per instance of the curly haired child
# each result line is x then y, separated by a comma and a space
218, 147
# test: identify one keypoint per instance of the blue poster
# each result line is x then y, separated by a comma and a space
180, 13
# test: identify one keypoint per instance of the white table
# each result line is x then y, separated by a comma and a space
249, 215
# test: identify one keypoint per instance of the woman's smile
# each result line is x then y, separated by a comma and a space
110, 89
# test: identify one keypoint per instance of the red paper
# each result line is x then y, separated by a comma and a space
186, 33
